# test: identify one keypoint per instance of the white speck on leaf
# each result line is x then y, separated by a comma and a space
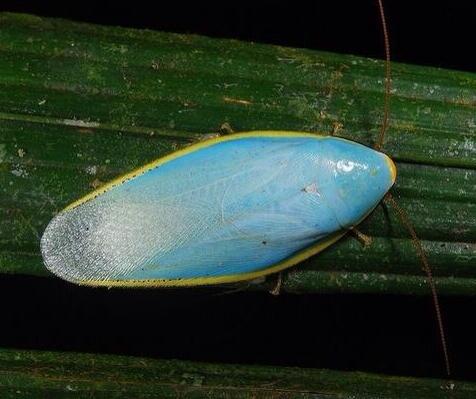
471, 124
80, 123
91, 170
19, 171
468, 144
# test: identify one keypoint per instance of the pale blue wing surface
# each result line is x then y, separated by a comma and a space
234, 207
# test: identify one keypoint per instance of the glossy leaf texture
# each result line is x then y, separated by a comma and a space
81, 104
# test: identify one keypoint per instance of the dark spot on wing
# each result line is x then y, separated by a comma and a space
311, 188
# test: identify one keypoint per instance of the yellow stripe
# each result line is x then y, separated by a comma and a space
392, 167
177, 154
299, 257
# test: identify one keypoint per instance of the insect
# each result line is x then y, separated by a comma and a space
228, 209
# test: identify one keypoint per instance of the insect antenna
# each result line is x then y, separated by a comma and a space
427, 269
390, 200
388, 82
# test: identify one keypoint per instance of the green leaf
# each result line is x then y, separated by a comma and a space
81, 104
34, 374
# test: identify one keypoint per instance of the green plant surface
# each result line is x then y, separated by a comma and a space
81, 104
35, 374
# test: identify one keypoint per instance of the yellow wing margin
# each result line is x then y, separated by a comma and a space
232, 278
184, 151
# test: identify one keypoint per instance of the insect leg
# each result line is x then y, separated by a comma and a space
365, 240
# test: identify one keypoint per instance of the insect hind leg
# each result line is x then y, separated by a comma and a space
364, 239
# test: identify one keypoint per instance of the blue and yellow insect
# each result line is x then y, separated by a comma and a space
228, 209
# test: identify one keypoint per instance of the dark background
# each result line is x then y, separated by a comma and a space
422, 32
387, 334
